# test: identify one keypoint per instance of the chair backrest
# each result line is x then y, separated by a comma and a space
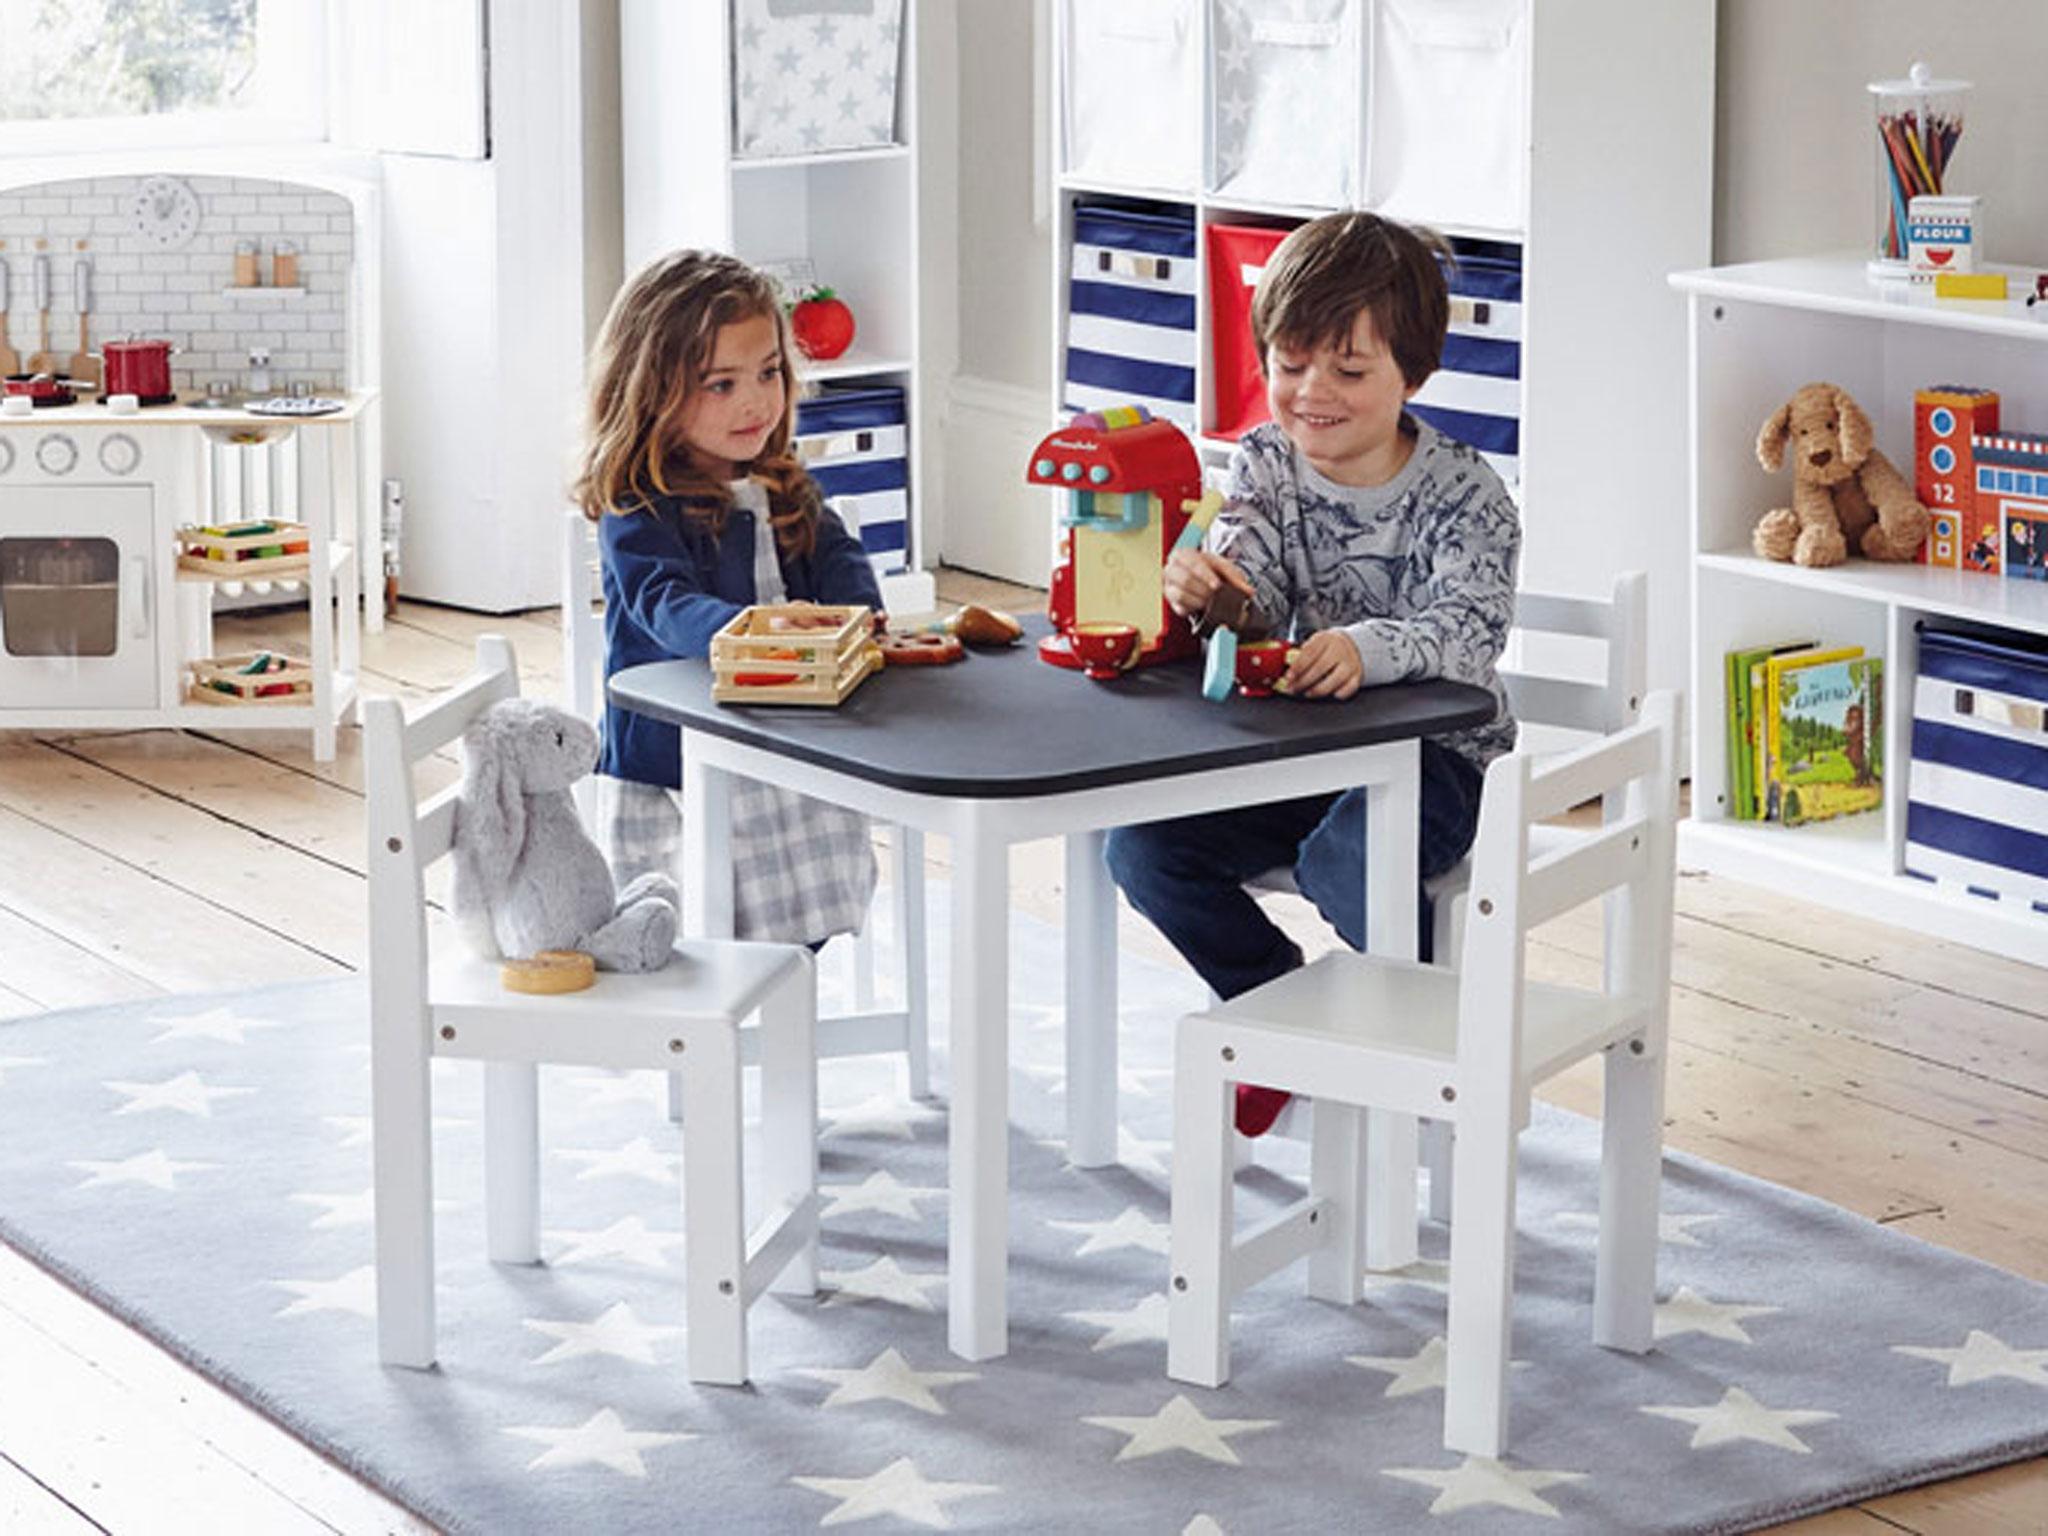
1538, 687
1630, 861
582, 640
406, 836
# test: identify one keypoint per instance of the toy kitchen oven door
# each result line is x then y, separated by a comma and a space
1125, 476
78, 605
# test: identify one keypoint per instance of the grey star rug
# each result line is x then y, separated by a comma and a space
200, 1166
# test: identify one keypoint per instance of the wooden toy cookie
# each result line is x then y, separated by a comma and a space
921, 650
985, 626
550, 971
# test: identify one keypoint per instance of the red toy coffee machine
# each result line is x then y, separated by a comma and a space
1125, 476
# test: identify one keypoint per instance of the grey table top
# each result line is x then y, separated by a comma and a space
1003, 723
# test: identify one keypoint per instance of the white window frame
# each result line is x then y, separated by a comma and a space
291, 42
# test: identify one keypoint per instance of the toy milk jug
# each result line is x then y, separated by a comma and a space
1919, 121
1125, 476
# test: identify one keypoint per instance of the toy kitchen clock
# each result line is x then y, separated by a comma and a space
1125, 476
164, 211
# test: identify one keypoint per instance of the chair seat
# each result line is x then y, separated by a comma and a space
625, 1020
1402, 1008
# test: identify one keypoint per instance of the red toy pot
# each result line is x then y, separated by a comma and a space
138, 368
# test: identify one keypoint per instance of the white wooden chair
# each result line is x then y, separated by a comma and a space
431, 999
1465, 1046
1557, 704
867, 1028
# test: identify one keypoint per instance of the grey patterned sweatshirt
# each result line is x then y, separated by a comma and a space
1419, 572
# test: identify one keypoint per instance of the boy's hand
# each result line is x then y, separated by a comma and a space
1327, 666
1192, 576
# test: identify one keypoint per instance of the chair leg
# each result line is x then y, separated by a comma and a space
1482, 1288
512, 1162
714, 1211
1198, 1305
1391, 1235
1337, 1177
1631, 1168
402, 1152
864, 966
1438, 1139
789, 1116
910, 928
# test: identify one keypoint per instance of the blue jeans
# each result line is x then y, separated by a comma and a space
1187, 875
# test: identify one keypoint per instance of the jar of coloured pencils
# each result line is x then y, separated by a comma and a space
1919, 120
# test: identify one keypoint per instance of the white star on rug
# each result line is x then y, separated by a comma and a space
886, 1378
637, 1159
879, 1115
1689, 1312
356, 1210
1422, 1371
614, 1332
1129, 1228
7, 1063
637, 1087
223, 1024
355, 1129
626, 1238
354, 1292
187, 1093
1134, 1152
1202, 1525
602, 1438
1131, 1082
1144, 1323
880, 1191
1179, 1426
1981, 1357
1672, 1227
1481, 1480
1430, 1274
898, 1489
883, 1280
154, 1168
1738, 1416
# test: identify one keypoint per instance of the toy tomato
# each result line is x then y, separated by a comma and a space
822, 325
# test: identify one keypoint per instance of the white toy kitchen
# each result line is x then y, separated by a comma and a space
126, 517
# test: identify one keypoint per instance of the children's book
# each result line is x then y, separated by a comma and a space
1766, 691
1827, 737
1743, 804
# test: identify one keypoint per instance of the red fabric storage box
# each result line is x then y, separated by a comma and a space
1237, 254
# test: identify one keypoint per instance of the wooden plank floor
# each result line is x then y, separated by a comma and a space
1894, 1075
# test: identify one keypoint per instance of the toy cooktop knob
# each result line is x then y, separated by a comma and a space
1099, 473
1042, 467
1070, 471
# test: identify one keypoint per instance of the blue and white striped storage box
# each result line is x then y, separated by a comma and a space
1977, 792
1476, 395
856, 444
1131, 311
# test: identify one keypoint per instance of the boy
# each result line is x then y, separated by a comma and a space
1387, 552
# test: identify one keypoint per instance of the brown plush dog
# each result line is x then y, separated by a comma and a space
1844, 491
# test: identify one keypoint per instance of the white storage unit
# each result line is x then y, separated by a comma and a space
699, 171
1759, 331
1579, 136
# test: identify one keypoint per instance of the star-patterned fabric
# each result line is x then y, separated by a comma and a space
201, 1166
814, 77
1287, 100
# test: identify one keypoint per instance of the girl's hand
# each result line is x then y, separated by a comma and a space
1327, 666
1192, 577
803, 615
880, 623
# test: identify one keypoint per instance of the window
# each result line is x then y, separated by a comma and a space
104, 74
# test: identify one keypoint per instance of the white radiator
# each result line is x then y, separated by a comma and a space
243, 483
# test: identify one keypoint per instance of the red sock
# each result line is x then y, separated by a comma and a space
1258, 1108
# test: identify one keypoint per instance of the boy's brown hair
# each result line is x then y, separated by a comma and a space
1330, 268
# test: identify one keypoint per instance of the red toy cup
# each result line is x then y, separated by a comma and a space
1260, 664
1105, 647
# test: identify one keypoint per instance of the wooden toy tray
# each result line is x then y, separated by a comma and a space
251, 678
235, 551
759, 659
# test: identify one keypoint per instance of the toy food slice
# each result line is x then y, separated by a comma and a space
920, 650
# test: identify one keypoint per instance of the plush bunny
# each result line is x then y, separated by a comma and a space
1845, 493
527, 876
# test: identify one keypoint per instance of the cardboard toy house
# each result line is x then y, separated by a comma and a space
1125, 475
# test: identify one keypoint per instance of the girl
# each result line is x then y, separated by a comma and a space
702, 508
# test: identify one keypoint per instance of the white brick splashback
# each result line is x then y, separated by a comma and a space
177, 295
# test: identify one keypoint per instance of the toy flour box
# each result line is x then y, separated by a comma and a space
1941, 234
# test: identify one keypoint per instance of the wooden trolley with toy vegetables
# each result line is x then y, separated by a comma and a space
256, 677
793, 653
236, 551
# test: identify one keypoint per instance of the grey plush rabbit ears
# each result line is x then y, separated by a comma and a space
516, 748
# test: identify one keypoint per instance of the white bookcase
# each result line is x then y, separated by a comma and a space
1595, 159
853, 214
1759, 331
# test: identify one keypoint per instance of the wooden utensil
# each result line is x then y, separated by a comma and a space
84, 368
43, 360
10, 360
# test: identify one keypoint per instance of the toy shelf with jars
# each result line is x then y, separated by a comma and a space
729, 143
1556, 145
1760, 331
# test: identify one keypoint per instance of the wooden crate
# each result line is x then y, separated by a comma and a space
251, 678
240, 551
753, 661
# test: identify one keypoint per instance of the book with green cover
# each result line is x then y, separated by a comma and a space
1827, 731
1743, 804
1766, 679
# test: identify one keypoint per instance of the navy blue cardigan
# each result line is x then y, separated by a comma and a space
669, 585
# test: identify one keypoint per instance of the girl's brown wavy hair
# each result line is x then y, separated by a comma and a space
657, 342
